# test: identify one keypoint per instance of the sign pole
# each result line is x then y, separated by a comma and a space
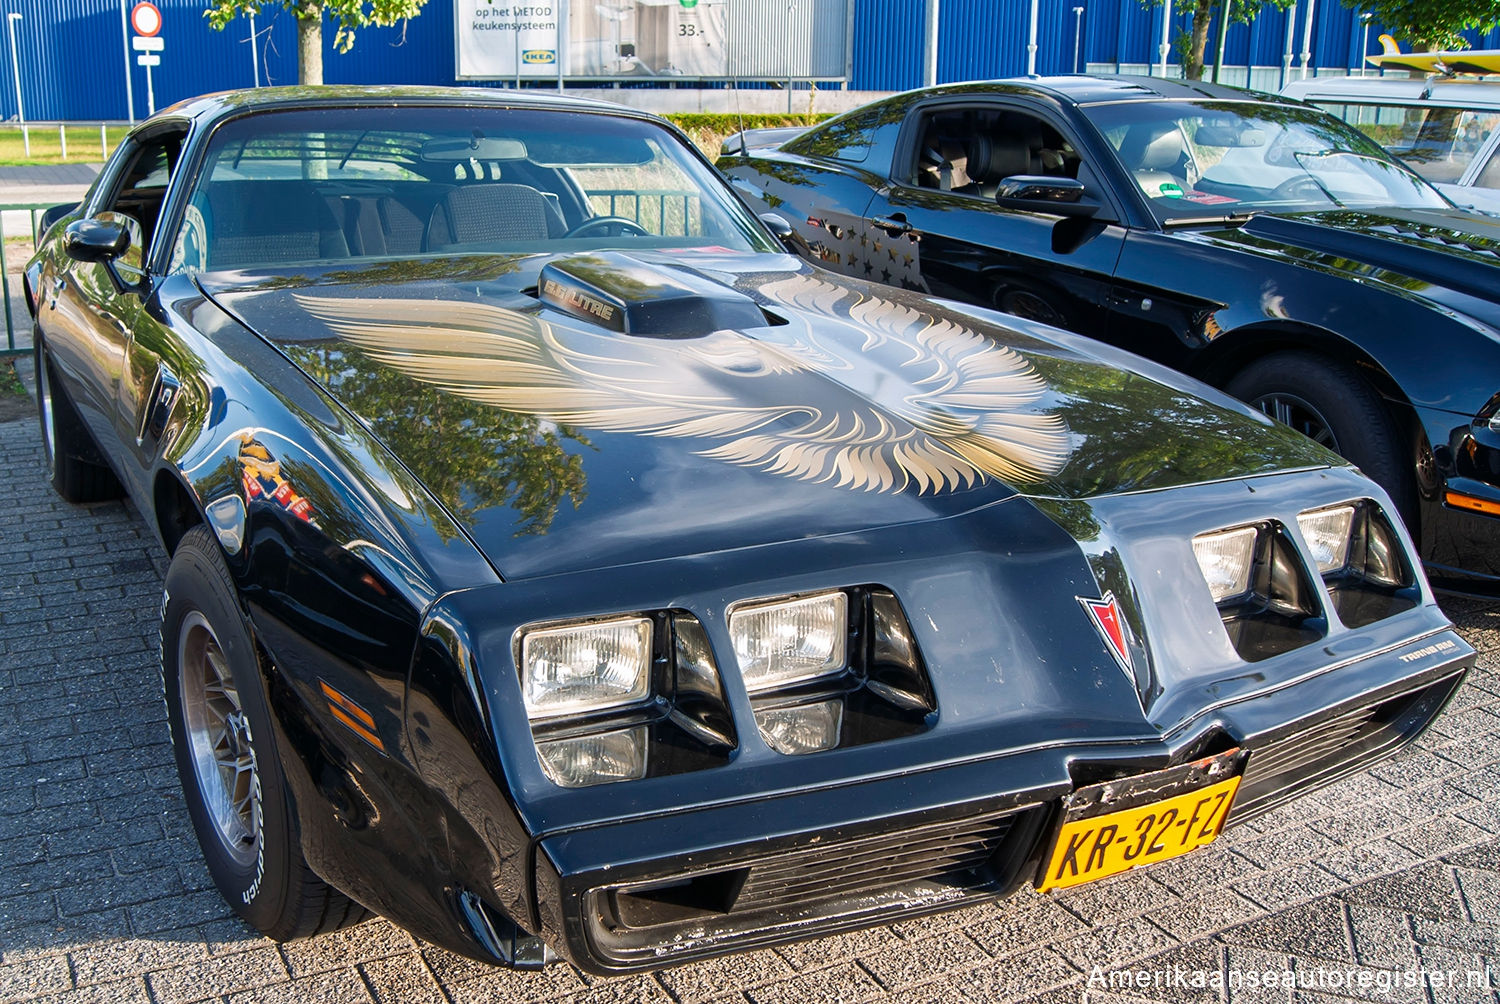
145, 18
254, 56
125, 41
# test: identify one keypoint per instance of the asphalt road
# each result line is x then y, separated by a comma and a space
1385, 887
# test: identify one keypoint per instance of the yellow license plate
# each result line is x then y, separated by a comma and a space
1103, 845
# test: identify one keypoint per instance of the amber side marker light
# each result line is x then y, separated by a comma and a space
1472, 503
359, 721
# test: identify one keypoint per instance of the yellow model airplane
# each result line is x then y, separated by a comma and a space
1467, 61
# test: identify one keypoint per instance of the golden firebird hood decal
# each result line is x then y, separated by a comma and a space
959, 411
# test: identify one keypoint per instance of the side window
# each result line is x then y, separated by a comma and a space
970, 151
846, 138
141, 188
1490, 176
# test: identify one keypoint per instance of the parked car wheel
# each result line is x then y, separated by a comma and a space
1333, 405
226, 758
65, 443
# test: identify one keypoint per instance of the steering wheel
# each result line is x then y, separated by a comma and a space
609, 226
1303, 186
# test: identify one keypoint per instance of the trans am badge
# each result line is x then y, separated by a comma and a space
793, 400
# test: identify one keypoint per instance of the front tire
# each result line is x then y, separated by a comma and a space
226, 756
1333, 405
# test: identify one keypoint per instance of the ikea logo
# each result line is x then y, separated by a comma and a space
539, 56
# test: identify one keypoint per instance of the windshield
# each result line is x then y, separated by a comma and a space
1216, 158
332, 185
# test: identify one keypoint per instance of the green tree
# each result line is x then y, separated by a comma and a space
348, 15
1432, 25
1191, 44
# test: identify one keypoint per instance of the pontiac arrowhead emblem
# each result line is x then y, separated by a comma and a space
1106, 616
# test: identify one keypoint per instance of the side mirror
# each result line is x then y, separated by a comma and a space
786, 234
1040, 194
51, 216
95, 240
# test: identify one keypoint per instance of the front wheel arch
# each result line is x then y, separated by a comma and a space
176, 510
1331, 401
1233, 351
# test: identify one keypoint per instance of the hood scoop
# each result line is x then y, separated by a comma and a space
619, 293
1396, 242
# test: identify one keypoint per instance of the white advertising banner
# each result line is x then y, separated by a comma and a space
498, 39
649, 38
652, 39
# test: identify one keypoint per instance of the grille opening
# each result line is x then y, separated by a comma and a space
956, 853
822, 882
1315, 754
684, 899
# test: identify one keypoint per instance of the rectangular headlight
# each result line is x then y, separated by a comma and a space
1327, 534
789, 641
583, 761
1226, 558
586, 667
805, 728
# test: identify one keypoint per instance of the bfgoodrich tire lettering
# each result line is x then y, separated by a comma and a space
226, 756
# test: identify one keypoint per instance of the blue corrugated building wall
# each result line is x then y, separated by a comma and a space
72, 53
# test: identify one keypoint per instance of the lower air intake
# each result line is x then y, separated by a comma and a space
820, 882
1313, 754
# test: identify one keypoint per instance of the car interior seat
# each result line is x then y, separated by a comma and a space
492, 212
994, 158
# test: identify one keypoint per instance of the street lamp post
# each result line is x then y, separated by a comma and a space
1364, 47
15, 67
1077, 35
1166, 34
1307, 34
1031, 45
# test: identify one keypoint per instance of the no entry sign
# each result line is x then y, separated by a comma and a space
145, 18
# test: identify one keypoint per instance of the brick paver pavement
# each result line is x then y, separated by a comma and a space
103, 895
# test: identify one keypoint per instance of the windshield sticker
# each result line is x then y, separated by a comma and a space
1207, 198
1170, 190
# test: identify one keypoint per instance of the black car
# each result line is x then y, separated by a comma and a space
1250, 241
561, 567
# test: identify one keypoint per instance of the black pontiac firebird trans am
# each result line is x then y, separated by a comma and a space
561, 568
1250, 241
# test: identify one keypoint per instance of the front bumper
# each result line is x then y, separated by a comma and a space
670, 888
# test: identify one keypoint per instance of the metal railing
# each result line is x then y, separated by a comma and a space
46, 132
664, 211
33, 208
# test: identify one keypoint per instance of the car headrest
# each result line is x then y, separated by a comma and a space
993, 158
1152, 148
